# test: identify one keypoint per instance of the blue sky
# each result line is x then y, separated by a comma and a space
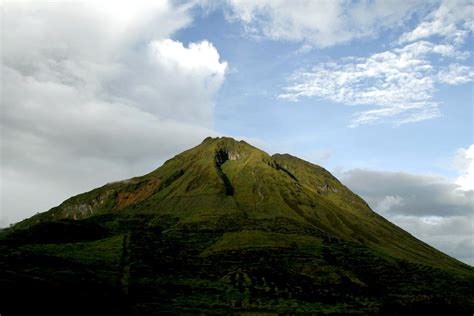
316, 128
377, 91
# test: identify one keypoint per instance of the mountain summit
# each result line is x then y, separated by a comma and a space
225, 227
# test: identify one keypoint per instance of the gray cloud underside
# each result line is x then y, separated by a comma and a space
430, 207
418, 195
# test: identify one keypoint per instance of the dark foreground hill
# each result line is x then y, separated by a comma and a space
224, 228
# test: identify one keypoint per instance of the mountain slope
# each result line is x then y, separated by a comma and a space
224, 226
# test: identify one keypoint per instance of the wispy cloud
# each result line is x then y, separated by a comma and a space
398, 84
456, 74
320, 23
452, 20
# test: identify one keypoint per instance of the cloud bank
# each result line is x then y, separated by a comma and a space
437, 210
97, 90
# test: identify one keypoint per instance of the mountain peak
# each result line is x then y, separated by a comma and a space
217, 138
220, 139
226, 142
222, 149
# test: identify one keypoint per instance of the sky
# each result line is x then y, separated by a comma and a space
378, 92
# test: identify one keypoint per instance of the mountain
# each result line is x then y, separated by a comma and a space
225, 228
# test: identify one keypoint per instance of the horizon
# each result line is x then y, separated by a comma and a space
379, 93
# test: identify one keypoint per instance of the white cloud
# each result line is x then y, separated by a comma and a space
456, 74
452, 235
94, 92
200, 59
321, 23
172, 81
465, 163
410, 194
453, 20
430, 207
388, 202
398, 83
435, 209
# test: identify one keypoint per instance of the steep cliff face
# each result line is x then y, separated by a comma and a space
253, 232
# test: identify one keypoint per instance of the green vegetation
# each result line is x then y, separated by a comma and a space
95, 253
256, 239
224, 227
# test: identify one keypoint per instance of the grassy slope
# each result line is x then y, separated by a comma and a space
226, 226
192, 189
357, 222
